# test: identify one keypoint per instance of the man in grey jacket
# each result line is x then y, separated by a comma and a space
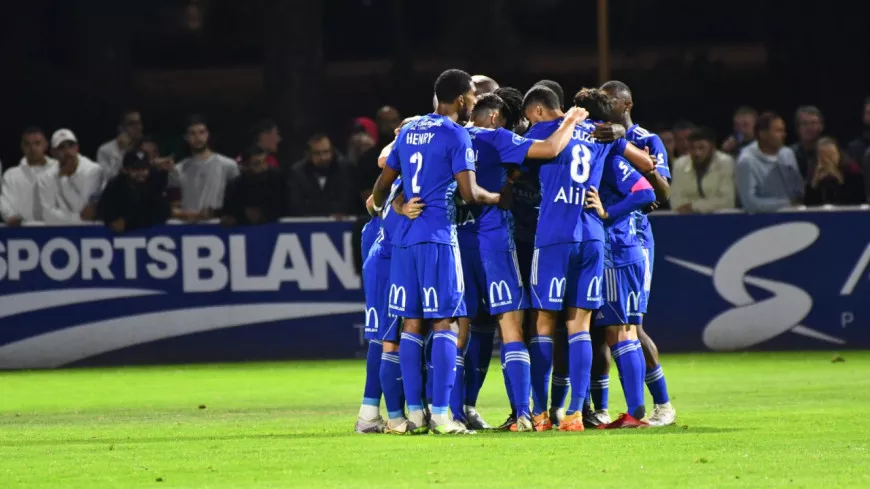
767, 174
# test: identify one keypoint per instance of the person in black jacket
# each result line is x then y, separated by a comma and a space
136, 197
322, 184
258, 195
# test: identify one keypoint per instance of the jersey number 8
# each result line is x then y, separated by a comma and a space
580, 157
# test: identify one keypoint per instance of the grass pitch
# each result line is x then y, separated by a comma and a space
744, 420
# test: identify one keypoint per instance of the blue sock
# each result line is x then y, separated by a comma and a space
639, 352
410, 360
478, 355
428, 368
600, 391
559, 391
391, 383
541, 354
518, 367
655, 382
579, 368
507, 383
457, 394
372, 390
631, 371
444, 372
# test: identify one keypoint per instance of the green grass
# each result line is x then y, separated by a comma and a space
745, 420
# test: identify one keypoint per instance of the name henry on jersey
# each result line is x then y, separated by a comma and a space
418, 138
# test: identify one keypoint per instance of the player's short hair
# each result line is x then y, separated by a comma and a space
252, 151
807, 109
32, 130
452, 84
555, 87
490, 101
617, 87
683, 125
745, 110
703, 134
513, 105
540, 94
596, 102
194, 120
765, 120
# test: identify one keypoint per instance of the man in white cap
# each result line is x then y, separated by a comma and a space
19, 201
69, 193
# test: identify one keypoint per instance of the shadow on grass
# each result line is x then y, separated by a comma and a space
674, 430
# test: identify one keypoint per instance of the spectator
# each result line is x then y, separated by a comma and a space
836, 179
321, 184
267, 136
19, 201
68, 192
810, 125
150, 148
768, 178
363, 137
682, 129
135, 198
257, 196
666, 134
388, 120
111, 153
859, 145
703, 181
744, 131
203, 177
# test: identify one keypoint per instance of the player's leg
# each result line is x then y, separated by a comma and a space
561, 383
443, 295
663, 413
583, 296
473, 284
404, 301
525, 252
599, 388
478, 356
369, 418
391, 383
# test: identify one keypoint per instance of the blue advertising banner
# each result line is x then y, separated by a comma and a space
83, 296
795, 280
75, 296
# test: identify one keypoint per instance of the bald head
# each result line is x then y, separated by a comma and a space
483, 85
388, 120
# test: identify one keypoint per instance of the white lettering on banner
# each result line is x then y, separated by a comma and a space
857, 272
847, 318
499, 294
749, 322
206, 263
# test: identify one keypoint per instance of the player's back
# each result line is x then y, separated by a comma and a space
427, 153
622, 245
564, 183
391, 224
650, 141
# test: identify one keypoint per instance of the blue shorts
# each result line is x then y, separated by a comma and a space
649, 258
525, 252
380, 324
567, 275
493, 283
426, 282
623, 292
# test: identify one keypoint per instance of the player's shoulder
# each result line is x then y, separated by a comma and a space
639, 133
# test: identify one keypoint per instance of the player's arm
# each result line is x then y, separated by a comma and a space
408, 208
637, 191
473, 193
553, 145
645, 164
383, 185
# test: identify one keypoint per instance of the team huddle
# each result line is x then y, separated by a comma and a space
503, 212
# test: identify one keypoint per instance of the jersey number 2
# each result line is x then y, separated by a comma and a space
580, 157
416, 159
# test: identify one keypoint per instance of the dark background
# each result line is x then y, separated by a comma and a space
315, 65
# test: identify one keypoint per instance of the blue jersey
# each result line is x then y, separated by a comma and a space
488, 227
391, 224
370, 236
622, 246
564, 182
644, 139
527, 202
429, 152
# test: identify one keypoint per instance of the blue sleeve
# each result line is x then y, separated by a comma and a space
625, 176
461, 154
660, 154
512, 148
632, 202
393, 158
617, 148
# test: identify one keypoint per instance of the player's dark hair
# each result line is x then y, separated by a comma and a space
807, 109
252, 151
513, 105
596, 102
620, 89
683, 125
745, 110
452, 84
540, 94
32, 130
556, 88
195, 120
703, 134
765, 120
490, 101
